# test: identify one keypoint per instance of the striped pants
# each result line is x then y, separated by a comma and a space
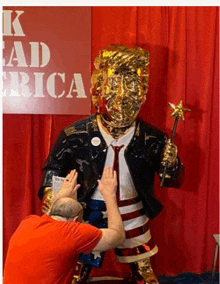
138, 244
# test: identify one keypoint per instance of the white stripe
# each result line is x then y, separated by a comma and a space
131, 208
127, 209
137, 241
134, 258
135, 222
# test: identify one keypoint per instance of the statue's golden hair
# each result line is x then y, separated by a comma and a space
119, 58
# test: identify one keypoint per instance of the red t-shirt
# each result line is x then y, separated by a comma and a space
43, 250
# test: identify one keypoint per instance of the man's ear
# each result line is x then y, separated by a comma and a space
75, 219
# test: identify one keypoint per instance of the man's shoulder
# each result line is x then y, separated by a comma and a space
28, 222
31, 217
88, 229
80, 126
77, 230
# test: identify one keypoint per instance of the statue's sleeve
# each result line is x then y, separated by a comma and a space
58, 163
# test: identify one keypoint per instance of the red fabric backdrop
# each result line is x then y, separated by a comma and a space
183, 45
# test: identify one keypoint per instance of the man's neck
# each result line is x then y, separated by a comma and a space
58, 218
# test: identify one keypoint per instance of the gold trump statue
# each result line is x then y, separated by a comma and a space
114, 136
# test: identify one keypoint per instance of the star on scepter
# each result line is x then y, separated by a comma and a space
178, 112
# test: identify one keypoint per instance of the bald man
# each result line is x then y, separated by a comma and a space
67, 208
45, 249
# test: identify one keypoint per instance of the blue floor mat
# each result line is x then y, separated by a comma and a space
190, 278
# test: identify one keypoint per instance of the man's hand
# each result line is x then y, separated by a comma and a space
169, 155
69, 187
108, 183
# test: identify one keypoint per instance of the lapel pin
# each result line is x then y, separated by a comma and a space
96, 141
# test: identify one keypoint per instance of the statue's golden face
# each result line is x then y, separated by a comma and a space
123, 97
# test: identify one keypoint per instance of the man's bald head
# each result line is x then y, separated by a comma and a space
66, 207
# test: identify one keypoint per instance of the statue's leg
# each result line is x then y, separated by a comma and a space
84, 272
142, 272
88, 261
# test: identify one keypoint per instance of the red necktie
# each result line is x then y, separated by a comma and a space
116, 166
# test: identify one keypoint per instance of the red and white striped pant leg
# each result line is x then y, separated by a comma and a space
138, 244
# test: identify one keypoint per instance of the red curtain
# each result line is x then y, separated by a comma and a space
183, 44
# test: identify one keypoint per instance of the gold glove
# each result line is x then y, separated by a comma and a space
169, 155
47, 200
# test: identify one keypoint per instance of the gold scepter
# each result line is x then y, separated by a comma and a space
178, 112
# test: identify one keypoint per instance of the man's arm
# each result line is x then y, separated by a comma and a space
114, 235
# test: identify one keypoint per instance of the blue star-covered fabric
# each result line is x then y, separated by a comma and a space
95, 218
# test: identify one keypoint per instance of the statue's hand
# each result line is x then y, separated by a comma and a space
169, 155
47, 200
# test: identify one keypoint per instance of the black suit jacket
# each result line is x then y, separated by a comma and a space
74, 150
